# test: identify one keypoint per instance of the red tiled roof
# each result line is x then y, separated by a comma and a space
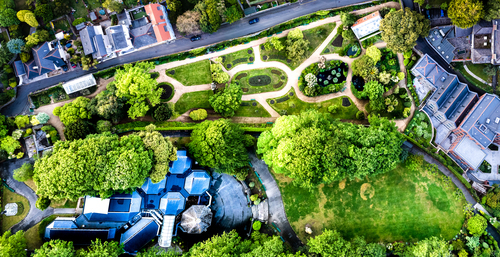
154, 11
366, 18
161, 32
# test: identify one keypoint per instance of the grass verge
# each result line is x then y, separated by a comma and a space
34, 235
193, 100
276, 82
10, 197
248, 110
241, 57
197, 73
460, 68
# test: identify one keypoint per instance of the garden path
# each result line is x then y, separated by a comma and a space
475, 76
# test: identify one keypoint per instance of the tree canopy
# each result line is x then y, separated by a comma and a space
55, 248
401, 29
134, 82
113, 6
312, 148
8, 17
108, 106
13, 245
73, 111
44, 11
492, 10
37, 37
23, 173
218, 144
365, 67
15, 45
374, 53
227, 101
465, 13
78, 130
188, 22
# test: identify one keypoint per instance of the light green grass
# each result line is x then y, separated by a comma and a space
61, 24
312, 35
477, 69
81, 11
229, 58
460, 67
94, 4
247, 110
197, 73
275, 80
193, 100
10, 197
401, 205
34, 235
295, 106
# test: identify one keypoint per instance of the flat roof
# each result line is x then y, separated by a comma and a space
470, 152
96, 205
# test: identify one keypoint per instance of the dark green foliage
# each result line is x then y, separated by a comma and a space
8, 17
360, 115
108, 106
13, 245
249, 140
78, 21
79, 130
103, 126
162, 112
61, 7
44, 11
24, 173
227, 101
15, 45
100, 248
42, 203
56, 248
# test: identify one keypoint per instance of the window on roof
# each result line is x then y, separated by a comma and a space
158, 7
364, 19
161, 17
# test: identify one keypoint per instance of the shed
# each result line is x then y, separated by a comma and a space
92, 15
79, 83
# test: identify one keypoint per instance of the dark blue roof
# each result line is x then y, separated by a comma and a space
197, 182
143, 36
172, 203
139, 235
122, 207
119, 40
119, 205
182, 164
101, 48
19, 68
153, 188
80, 236
30, 69
487, 109
39, 55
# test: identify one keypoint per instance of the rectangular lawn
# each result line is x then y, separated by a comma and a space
401, 205
248, 110
197, 73
193, 100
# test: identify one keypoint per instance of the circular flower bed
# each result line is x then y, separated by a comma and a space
261, 80
168, 91
323, 78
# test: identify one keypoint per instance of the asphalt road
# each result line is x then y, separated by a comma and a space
228, 31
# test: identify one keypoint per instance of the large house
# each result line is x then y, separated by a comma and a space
47, 57
367, 25
95, 42
159, 19
150, 211
466, 123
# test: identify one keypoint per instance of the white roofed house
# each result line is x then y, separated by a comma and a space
367, 25
119, 39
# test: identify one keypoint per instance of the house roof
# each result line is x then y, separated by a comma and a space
143, 36
44, 60
119, 36
19, 68
161, 32
469, 151
197, 183
182, 164
39, 54
153, 188
86, 36
80, 83
367, 25
196, 219
139, 234
172, 203
441, 43
483, 122
156, 13
119, 207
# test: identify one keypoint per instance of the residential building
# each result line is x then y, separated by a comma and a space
465, 123
94, 42
119, 39
135, 219
47, 57
367, 25
159, 19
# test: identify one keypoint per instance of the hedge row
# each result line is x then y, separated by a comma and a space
246, 129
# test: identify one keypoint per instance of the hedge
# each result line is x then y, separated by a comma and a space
246, 129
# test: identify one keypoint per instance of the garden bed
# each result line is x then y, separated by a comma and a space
252, 109
56, 93
329, 79
260, 80
197, 73
420, 129
232, 60
168, 91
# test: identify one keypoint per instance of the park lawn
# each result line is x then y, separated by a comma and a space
248, 110
197, 73
477, 69
192, 100
34, 235
312, 35
295, 106
10, 197
276, 84
241, 57
81, 11
61, 24
401, 205
31, 184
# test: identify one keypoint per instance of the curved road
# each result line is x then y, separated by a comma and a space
228, 31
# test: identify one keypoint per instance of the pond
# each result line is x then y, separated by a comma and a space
332, 76
352, 50
358, 82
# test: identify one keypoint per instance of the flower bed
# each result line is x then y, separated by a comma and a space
260, 80
320, 81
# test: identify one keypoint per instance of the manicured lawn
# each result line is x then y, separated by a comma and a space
193, 100
31, 184
295, 106
477, 69
34, 235
458, 66
315, 36
401, 205
139, 15
23, 208
248, 110
63, 204
197, 73
81, 11
277, 80
241, 57
61, 24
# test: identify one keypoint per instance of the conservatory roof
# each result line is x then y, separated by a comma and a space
79, 83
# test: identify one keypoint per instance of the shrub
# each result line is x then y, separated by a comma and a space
199, 114
254, 197
257, 225
249, 140
476, 225
103, 126
78, 21
24, 173
17, 134
360, 115
162, 112
333, 109
42, 203
28, 132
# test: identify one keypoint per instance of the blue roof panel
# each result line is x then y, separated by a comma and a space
182, 164
153, 188
172, 203
139, 235
19, 68
197, 182
119, 205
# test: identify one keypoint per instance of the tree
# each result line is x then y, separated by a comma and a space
100, 164
199, 114
78, 130
233, 13
276, 43
25, 57
73, 111
30, 19
163, 151
15, 45
295, 34
103, 126
329, 243
476, 225
13, 245
296, 49
158, 252
401, 29
465, 13
227, 101
347, 19
218, 75
363, 66
8, 17
44, 11
10, 145
429, 247
490, 70
99, 248
37, 37
42, 203
375, 91
108, 106
188, 22
218, 144
113, 6
162, 112
20, 15
24, 173
42, 117
4, 129
492, 10
175, 7
374, 53
348, 35
61, 7
21, 121
134, 82
210, 19
55, 248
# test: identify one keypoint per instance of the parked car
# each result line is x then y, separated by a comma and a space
65, 67
73, 65
253, 21
195, 38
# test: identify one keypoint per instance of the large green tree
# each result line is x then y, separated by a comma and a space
78, 130
233, 13
113, 6
99, 248
347, 19
227, 101
13, 245
8, 17
44, 11
210, 19
108, 106
329, 243
364, 67
73, 111
97, 165
56, 248
401, 29
9, 144
24, 173
492, 10
134, 82
36, 38
429, 247
375, 91
219, 144
312, 148
175, 9
465, 13
61, 7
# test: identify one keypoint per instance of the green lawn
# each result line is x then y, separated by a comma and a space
401, 205
241, 57
61, 24
460, 68
295, 106
477, 69
193, 100
315, 36
64, 203
93, 4
248, 110
34, 235
197, 73
276, 83
81, 11
23, 209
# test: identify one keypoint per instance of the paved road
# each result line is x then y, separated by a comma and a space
277, 213
229, 31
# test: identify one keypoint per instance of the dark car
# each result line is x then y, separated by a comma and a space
195, 38
65, 67
253, 21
